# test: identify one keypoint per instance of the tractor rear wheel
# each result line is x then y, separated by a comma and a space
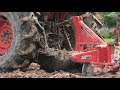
14, 47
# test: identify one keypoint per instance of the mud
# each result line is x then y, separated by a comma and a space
34, 71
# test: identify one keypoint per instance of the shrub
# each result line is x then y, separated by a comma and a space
107, 34
110, 19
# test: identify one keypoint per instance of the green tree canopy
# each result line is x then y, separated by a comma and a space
110, 18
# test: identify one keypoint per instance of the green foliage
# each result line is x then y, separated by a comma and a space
107, 34
109, 40
110, 19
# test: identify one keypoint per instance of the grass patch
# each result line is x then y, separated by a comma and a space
109, 40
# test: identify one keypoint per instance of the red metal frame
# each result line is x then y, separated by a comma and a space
89, 36
100, 55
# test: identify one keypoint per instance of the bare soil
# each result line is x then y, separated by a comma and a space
34, 71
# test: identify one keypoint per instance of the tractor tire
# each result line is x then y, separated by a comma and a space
15, 56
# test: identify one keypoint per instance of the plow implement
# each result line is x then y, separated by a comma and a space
54, 40
96, 55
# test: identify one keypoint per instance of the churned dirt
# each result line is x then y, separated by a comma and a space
34, 71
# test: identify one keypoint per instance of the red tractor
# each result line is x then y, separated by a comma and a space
55, 40
25, 37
